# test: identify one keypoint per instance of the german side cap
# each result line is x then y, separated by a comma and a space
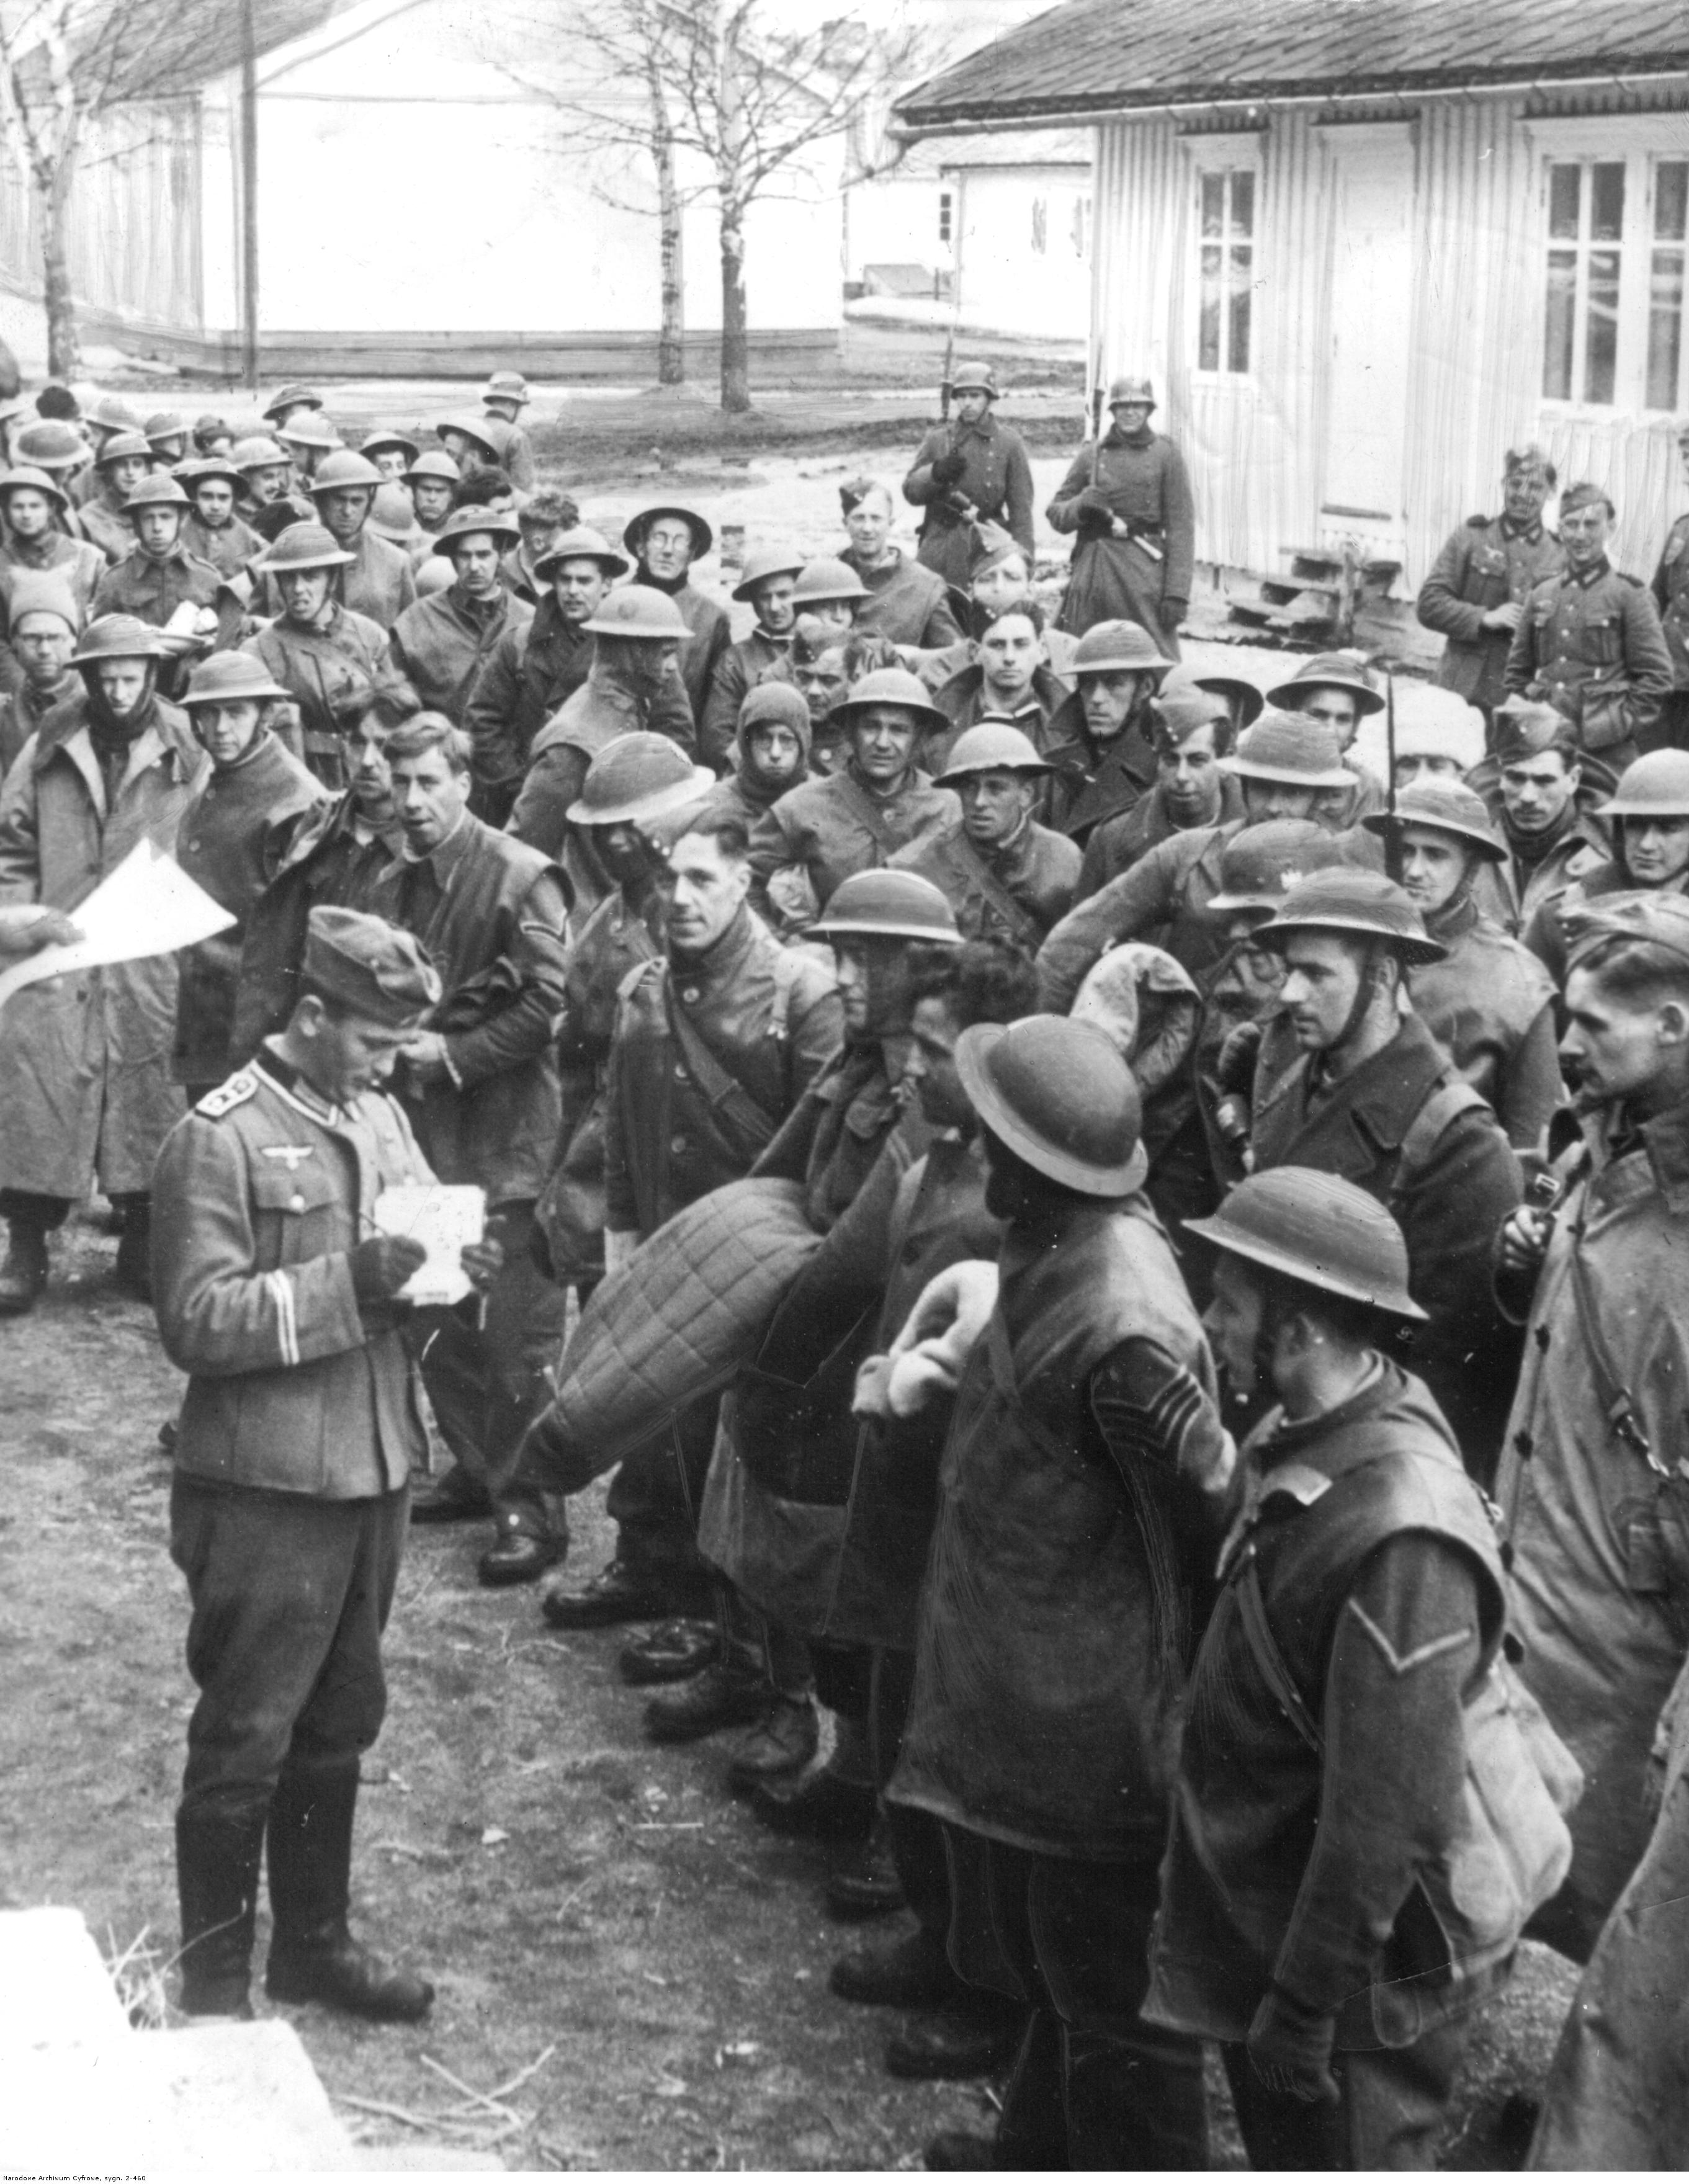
1060, 1096
369, 968
1321, 1230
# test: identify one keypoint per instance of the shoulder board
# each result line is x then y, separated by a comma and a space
233, 1093
1478, 522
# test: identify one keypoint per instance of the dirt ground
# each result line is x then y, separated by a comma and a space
600, 1914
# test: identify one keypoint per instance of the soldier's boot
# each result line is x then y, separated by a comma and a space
217, 1859
313, 1957
135, 1250
23, 1272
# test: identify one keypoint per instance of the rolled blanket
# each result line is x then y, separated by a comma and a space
677, 1321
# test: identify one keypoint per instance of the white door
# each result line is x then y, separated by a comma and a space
1372, 273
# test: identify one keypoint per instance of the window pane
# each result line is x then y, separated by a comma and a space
1665, 328
1243, 201
1237, 346
1601, 331
1208, 316
1671, 196
1607, 213
1564, 187
1556, 361
1214, 204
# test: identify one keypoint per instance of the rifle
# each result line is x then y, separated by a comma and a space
1097, 414
945, 384
1392, 834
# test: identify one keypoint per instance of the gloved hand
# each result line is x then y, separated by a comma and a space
948, 471
1235, 1070
382, 1265
1094, 501
1290, 2049
1172, 612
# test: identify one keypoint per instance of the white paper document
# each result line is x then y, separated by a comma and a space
148, 906
445, 1217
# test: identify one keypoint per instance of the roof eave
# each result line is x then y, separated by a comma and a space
911, 122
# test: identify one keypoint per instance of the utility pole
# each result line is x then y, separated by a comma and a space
248, 195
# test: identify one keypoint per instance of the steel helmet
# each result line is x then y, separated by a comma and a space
506, 387
161, 490
51, 445
478, 428
1321, 1230
583, 544
1293, 748
255, 453
476, 522
1061, 1095
1236, 691
1259, 863
638, 776
991, 747
1359, 906
343, 468
825, 579
231, 675
1113, 648
1341, 671
1655, 786
975, 379
306, 546
167, 424
768, 561
435, 463
25, 478
200, 469
892, 686
120, 447
393, 514
311, 430
703, 537
887, 906
1655, 917
293, 397
436, 574
113, 414
118, 637
1451, 808
1132, 388
636, 610
375, 442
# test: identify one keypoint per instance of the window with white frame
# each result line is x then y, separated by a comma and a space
1225, 268
1616, 233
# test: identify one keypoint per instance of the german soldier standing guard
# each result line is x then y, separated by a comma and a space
1479, 584
1129, 499
970, 472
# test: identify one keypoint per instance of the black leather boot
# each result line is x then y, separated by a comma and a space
23, 1276
313, 1957
217, 1859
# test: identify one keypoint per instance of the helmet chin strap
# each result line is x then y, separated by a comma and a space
1369, 985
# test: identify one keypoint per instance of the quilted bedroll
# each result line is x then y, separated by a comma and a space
678, 1320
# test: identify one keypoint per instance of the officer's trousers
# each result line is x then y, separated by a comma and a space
1390, 2115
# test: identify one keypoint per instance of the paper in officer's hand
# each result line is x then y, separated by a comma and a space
443, 1216
148, 906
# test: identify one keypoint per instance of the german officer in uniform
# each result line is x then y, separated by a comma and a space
1476, 592
1591, 641
1670, 589
277, 1297
970, 472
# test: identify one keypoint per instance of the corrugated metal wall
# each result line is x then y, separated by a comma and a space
135, 218
1255, 448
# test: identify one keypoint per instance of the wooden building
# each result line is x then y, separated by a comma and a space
1363, 250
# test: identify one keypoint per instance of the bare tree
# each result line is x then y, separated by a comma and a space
720, 86
63, 63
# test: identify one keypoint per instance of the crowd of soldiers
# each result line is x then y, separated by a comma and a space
1189, 1169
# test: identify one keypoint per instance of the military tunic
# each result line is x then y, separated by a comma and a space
1094, 782
1116, 845
837, 826
907, 604
232, 840
996, 479
1016, 893
152, 586
754, 660
1144, 478
441, 645
79, 565
1591, 643
711, 634
1162, 898
229, 547
1484, 564
379, 583
335, 672
109, 529
23, 712
1491, 1004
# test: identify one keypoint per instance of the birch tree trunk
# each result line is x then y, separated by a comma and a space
671, 331
735, 330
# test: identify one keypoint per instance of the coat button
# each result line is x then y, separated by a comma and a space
194, 843
676, 1144
690, 993
679, 1074
295, 1204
